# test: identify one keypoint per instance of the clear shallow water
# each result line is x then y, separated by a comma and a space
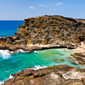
10, 64
8, 28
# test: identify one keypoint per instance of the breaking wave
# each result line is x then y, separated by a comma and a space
5, 54
1, 82
37, 67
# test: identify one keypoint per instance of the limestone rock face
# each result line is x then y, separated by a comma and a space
57, 60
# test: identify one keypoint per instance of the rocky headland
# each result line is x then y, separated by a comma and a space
55, 31
45, 32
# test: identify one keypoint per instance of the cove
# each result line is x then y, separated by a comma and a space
12, 63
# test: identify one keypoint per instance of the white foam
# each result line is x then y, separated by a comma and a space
10, 77
1, 82
35, 51
4, 54
20, 51
12, 52
37, 67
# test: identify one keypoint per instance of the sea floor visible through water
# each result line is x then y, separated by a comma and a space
12, 63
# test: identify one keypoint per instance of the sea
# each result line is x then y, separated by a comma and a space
8, 28
38, 59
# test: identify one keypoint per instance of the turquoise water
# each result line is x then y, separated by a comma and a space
10, 64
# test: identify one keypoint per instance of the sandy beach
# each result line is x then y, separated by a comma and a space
80, 49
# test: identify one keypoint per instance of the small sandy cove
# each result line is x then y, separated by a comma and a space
80, 49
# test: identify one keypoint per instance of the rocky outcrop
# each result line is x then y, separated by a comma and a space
53, 30
12, 40
80, 58
56, 75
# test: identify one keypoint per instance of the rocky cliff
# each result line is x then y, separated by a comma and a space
53, 30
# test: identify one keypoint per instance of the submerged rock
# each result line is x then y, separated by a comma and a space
57, 60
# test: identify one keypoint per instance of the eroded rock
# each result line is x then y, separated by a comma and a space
56, 75
80, 58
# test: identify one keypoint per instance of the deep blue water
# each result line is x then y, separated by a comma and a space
8, 28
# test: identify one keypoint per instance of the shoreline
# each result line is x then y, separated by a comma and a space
30, 48
51, 73
80, 49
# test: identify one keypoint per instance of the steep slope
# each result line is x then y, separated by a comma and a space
52, 30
